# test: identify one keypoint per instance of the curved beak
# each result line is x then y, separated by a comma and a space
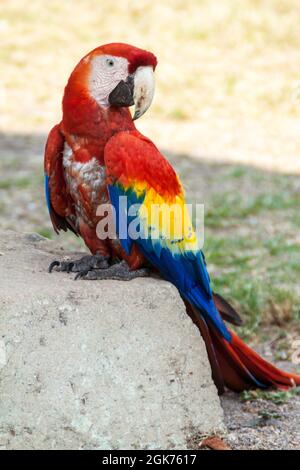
144, 85
138, 90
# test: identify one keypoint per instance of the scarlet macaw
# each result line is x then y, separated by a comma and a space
94, 156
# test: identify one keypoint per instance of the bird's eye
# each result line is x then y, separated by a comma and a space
110, 62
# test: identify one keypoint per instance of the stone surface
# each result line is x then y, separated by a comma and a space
96, 365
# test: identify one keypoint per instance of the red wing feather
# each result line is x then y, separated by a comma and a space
59, 202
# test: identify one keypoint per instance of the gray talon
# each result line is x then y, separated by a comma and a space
52, 265
81, 275
117, 272
69, 267
84, 264
97, 267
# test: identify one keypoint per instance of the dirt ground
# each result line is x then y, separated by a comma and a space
261, 424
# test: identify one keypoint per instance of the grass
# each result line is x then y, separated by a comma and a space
263, 289
45, 232
251, 246
277, 397
223, 66
15, 183
229, 206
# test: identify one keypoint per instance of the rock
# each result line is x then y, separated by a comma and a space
96, 365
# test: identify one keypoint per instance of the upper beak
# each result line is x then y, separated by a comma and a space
144, 85
138, 90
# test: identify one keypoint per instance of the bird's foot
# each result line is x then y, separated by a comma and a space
84, 264
119, 272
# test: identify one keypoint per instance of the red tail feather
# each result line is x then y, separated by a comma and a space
236, 365
243, 368
263, 370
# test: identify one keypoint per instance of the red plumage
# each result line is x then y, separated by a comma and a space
135, 56
130, 150
86, 128
74, 165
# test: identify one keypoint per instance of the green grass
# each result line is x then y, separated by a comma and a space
45, 232
254, 281
251, 244
225, 206
277, 397
15, 183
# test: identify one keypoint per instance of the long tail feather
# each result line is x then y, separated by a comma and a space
240, 367
263, 370
226, 311
214, 363
235, 375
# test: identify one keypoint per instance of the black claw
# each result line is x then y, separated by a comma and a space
70, 266
117, 272
81, 274
92, 267
52, 265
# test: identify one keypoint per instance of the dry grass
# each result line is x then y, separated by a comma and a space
227, 81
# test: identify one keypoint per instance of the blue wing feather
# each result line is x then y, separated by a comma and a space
47, 192
186, 270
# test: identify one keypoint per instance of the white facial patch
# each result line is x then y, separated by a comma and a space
107, 71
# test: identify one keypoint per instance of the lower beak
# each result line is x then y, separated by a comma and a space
122, 95
137, 90
144, 85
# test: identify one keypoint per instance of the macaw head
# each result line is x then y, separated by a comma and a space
117, 75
